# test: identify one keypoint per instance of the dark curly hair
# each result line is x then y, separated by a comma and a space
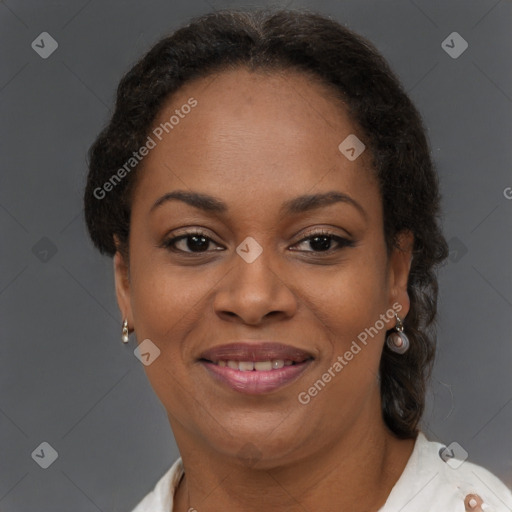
394, 133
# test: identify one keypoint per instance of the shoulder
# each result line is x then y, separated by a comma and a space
437, 474
161, 498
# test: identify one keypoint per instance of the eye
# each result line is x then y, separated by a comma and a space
194, 242
321, 241
197, 242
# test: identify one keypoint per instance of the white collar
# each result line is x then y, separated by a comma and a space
426, 484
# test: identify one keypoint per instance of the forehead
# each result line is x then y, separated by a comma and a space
253, 135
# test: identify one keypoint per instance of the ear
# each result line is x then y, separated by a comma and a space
122, 284
399, 266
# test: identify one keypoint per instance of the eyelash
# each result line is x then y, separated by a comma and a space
342, 242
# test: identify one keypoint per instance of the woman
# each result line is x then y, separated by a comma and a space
266, 191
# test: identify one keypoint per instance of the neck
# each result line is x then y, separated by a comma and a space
356, 473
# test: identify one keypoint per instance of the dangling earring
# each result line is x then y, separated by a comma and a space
124, 335
398, 341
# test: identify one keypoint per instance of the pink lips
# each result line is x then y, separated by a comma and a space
256, 381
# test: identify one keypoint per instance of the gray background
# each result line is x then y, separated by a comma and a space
65, 376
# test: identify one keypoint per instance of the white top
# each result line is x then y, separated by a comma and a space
427, 484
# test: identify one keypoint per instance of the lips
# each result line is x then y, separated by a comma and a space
255, 352
255, 368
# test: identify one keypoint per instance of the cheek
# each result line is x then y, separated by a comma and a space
350, 306
166, 299
349, 310
172, 307
166, 305
351, 297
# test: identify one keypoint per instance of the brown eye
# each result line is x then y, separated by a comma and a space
189, 243
322, 242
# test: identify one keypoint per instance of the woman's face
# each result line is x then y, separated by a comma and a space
255, 274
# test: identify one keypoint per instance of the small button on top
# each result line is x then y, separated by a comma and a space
474, 503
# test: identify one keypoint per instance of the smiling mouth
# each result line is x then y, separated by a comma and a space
255, 377
256, 366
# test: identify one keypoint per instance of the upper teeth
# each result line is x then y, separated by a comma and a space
246, 366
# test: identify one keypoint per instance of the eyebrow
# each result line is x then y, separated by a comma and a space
297, 205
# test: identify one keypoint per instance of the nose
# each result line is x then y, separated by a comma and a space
255, 293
